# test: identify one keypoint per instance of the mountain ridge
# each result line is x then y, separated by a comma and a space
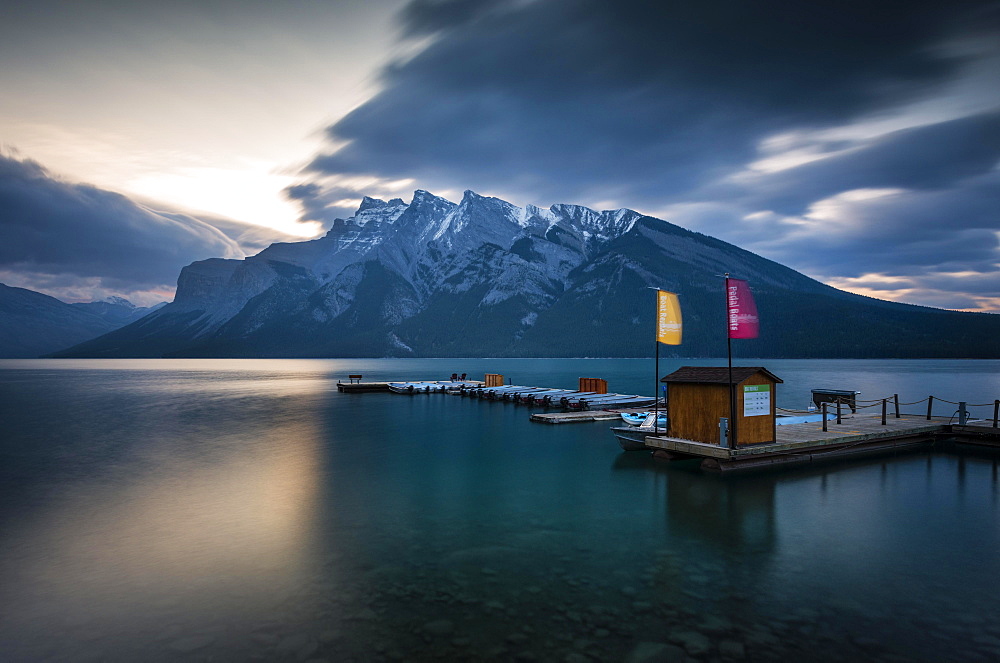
33, 324
485, 277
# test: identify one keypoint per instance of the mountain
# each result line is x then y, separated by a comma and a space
117, 310
33, 324
486, 278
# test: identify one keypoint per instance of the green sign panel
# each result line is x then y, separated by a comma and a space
756, 400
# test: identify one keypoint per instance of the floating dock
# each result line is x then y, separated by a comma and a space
357, 387
799, 444
598, 405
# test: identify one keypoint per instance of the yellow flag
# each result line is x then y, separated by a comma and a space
668, 318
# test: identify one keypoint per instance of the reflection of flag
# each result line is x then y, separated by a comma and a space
743, 321
668, 318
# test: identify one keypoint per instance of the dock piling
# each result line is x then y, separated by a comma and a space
895, 398
838, 413
963, 414
824, 417
930, 404
996, 411
884, 405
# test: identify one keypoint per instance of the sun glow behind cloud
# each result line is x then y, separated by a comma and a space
248, 194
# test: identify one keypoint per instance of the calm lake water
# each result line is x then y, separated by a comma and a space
228, 510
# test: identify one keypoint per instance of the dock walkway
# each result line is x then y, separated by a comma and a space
359, 387
808, 443
586, 406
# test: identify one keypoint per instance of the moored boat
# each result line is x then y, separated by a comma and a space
607, 401
640, 419
428, 386
631, 438
573, 396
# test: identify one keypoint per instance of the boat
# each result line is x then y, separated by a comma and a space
409, 387
514, 394
606, 401
428, 386
620, 402
639, 419
632, 438
548, 398
535, 397
555, 399
496, 393
572, 396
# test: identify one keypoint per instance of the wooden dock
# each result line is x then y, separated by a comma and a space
358, 387
799, 444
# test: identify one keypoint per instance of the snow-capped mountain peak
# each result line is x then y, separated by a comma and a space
119, 301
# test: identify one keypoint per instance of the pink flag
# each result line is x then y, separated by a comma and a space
743, 321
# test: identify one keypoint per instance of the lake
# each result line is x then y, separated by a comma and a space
195, 510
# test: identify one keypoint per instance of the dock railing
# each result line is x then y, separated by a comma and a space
961, 411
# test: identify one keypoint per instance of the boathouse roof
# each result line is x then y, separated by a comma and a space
717, 375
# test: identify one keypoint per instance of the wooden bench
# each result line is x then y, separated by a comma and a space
354, 379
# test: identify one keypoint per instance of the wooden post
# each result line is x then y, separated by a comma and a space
930, 404
996, 411
838, 411
884, 405
895, 398
824, 416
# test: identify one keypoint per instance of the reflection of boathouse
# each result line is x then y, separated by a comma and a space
699, 396
734, 515
737, 512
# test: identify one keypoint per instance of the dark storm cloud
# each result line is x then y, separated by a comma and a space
935, 243
664, 106
555, 97
55, 228
422, 17
935, 156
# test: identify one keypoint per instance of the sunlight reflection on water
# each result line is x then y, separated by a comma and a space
207, 504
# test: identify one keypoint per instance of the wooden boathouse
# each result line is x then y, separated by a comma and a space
699, 397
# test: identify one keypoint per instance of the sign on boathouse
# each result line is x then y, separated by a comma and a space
699, 396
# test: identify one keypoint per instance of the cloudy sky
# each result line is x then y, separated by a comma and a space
858, 142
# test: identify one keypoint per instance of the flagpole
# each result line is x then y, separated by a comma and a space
731, 442
656, 369
656, 390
